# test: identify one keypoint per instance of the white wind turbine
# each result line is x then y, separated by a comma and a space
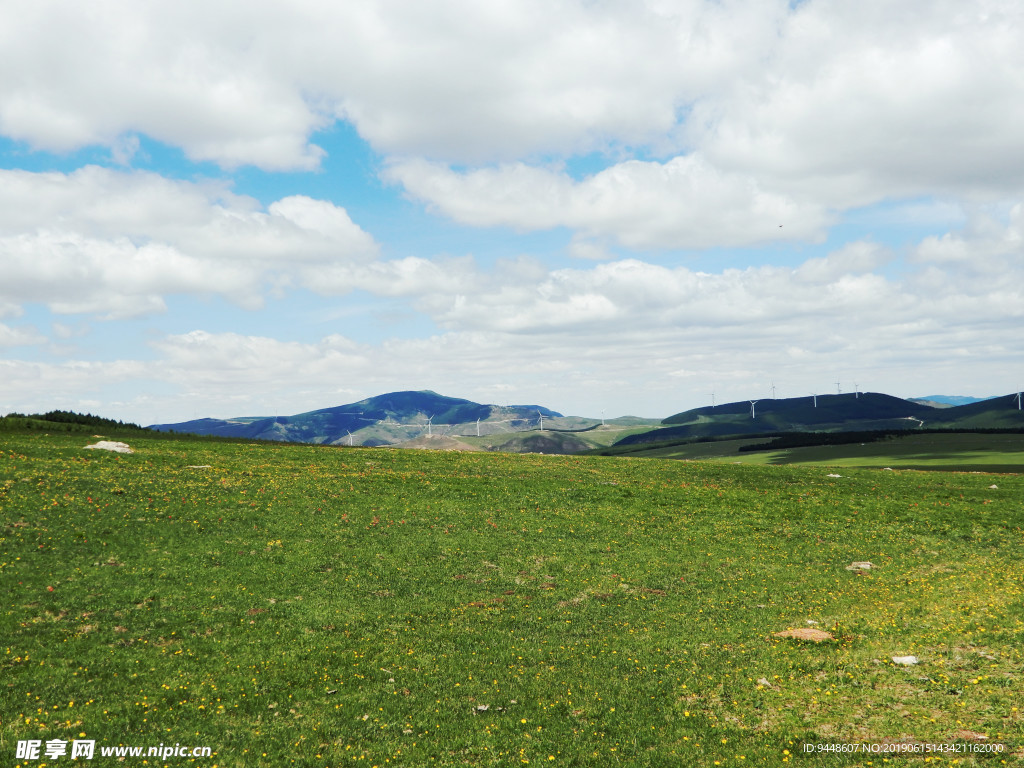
753, 412
1018, 401
815, 399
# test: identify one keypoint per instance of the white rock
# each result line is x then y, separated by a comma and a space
860, 565
905, 661
993, 486
833, 475
109, 445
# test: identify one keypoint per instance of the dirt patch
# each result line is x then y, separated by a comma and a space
806, 634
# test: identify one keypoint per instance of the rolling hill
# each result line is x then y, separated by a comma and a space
853, 412
382, 420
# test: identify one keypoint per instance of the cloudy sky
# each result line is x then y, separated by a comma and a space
228, 208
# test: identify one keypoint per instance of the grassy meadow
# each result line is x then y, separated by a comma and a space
952, 452
302, 605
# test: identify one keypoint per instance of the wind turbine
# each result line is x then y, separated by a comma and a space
753, 413
712, 399
602, 417
478, 427
839, 389
349, 438
541, 420
856, 391
429, 432
773, 390
1018, 401
815, 399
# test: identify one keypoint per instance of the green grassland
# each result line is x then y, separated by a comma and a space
956, 451
304, 605
556, 440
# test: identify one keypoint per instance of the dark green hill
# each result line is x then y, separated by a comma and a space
64, 421
997, 413
852, 412
825, 409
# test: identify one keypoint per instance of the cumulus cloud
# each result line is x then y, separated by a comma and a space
188, 74
682, 203
200, 358
634, 296
858, 103
719, 120
587, 339
248, 83
117, 243
15, 337
841, 104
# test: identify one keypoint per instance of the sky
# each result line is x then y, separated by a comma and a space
264, 208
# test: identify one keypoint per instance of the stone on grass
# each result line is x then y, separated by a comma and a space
110, 445
806, 633
905, 661
860, 565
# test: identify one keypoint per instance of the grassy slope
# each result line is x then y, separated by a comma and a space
957, 451
600, 437
318, 605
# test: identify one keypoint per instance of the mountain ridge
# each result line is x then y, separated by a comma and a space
385, 419
849, 412
395, 418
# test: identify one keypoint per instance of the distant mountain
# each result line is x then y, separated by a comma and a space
1000, 412
399, 417
852, 412
947, 400
381, 420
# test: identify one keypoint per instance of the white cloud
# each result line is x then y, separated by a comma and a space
16, 337
625, 336
683, 203
226, 360
746, 115
835, 103
124, 149
852, 258
115, 243
186, 73
38, 387
631, 296
856, 103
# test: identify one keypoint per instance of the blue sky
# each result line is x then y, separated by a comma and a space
239, 209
